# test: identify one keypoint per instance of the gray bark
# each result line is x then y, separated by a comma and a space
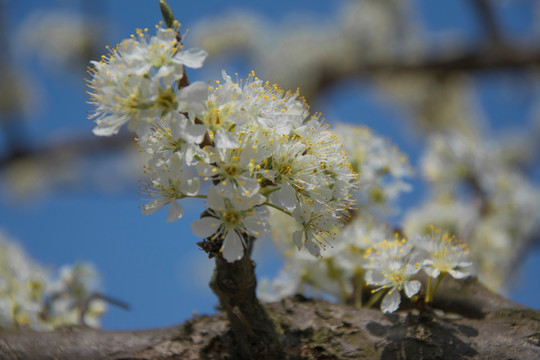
482, 325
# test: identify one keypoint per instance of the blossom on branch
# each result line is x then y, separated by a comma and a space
391, 266
444, 254
138, 81
251, 143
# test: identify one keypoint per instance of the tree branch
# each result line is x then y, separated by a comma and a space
487, 18
486, 326
81, 146
466, 61
253, 333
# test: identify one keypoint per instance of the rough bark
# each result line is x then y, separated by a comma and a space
253, 331
483, 326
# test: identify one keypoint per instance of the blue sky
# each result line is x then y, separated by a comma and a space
155, 266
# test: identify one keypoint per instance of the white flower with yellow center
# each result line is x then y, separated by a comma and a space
444, 255
316, 228
236, 171
137, 82
391, 264
232, 220
216, 108
168, 184
173, 136
270, 106
290, 169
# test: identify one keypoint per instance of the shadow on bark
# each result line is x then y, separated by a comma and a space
310, 329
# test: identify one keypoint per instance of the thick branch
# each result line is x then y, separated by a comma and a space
313, 330
80, 343
253, 331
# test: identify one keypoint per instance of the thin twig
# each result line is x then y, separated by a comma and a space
488, 19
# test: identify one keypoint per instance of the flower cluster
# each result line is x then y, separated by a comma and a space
364, 256
380, 165
30, 297
251, 144
499, 220
339, 273
139, 80
392, 264
382, 169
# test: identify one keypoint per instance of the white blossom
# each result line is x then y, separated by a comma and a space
250, 141
137, 82
230, 220
31, 296
390, 268
444, 254
169, 182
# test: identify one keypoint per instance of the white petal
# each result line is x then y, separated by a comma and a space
255, 226
412, 268
192, 58
194, 92
226, 140
226, 77
153, 206
390, 302
163, 71
233, 249
286, 197
175, 212
194, 133
248, 186
215, 199
190, 186
431, 271
205, 227
312, 247
191, 98
297, 238
412, 287
108, 126
375, 277
105, 131
249, 202
458, 274
464, 263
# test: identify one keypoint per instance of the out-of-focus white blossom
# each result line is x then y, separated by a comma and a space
455, 217
444, 254
60, 38
338, 272
382, 168
30, 296
292, 51
497, 219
